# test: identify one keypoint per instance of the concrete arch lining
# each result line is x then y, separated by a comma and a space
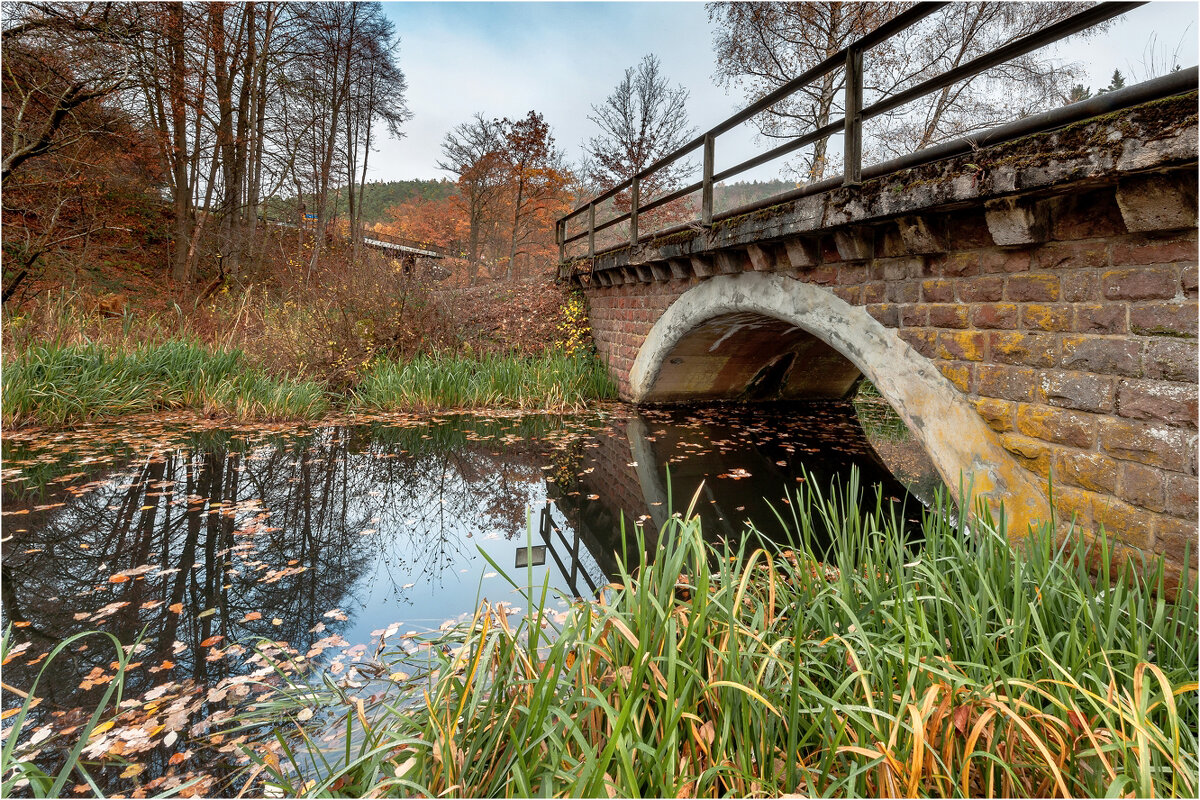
962, 447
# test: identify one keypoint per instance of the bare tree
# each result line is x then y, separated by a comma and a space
643, 120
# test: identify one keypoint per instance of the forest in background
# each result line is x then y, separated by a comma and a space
202, 171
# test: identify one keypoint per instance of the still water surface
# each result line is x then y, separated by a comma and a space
204, 540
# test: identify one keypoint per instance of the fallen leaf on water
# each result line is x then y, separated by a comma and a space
208, 612
251, 616
305, 715
210, 641
175, 608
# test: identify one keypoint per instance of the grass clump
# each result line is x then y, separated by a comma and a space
554, 381
59, 384
964, 667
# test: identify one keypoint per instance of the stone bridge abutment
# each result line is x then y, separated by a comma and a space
1030, 310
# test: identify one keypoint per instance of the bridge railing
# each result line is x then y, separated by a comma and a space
850, 59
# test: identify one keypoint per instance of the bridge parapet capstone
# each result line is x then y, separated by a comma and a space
1051, 280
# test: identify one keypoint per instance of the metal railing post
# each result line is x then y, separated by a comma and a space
560, 234
706, 191
852, 176
633, 211
591, 230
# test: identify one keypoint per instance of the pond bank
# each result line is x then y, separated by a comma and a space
61, 385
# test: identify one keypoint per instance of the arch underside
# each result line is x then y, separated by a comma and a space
755, 336
749, 356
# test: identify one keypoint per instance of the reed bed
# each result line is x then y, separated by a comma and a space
961, 666
61, 384
552, 381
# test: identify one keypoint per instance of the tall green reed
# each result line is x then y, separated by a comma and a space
958, 666
55, 385
551, 381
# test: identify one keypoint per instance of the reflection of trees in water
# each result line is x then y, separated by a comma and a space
284, 530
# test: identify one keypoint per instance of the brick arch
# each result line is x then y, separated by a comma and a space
810, 321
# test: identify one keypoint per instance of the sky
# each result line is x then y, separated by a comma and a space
506, 58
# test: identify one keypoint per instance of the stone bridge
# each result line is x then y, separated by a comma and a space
1028, 308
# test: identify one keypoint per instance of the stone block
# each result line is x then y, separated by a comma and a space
1141, 283
998, 414
1087, 470
1158, 401
702, 267
914, 316
919, 339
1102, 354
681, 268
954, 265
1101, 318
887, 314
918, 236
1182, 495
1005, 383
1014, 221
1163, 319
947, 315
1091, 215
731, 262
1150, 444
984, 289
906, 291
1002, 316
1129, 525
1141, 486
1136, 250
855, 244
1081, 391
1033, 287
1174, 538
959, 345
957, 372
1032, 454
1157, 202
1025, 349
1079, 286
762, 257
1056, 425
1071, 255
874, 292
937, 291
1172, 360
1042, 317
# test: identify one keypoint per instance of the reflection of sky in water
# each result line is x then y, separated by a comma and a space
254, 534
423, 588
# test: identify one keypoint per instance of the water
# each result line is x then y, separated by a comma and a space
199, 541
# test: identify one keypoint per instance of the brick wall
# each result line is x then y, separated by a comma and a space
1079, 351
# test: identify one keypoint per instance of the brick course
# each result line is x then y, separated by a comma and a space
1080, 352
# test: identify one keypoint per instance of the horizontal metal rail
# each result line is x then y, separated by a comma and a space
850, 58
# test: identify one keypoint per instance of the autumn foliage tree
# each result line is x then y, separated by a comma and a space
513, 183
